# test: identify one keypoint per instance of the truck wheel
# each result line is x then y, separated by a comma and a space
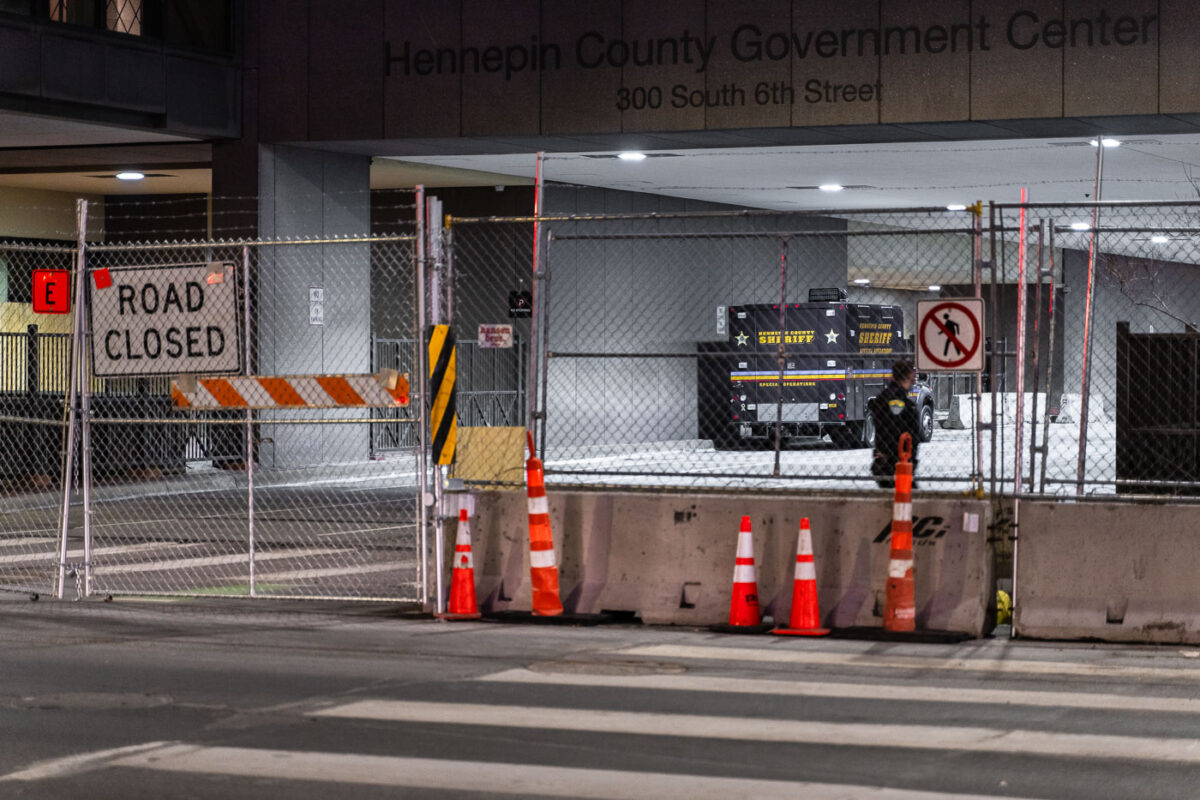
926, 422
854, 435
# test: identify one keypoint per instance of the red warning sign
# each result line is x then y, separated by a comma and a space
950, 335
51, 291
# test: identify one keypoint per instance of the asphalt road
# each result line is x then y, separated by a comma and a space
241, 700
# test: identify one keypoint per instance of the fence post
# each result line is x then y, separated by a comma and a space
421, 383
781, 351
1088, 300
249, 418
33, 383
76, 365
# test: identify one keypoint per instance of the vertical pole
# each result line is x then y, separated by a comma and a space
782, 354
1037, 345
994, 326
85, 421
531, 383
1089, 297
1049, 365
978, 454
421, 383
33, 380
545, 345
68, 474
1019, 443
249, 417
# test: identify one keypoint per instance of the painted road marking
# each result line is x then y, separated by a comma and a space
52, 555
857, 691
213, 561
522, 780
750, 729
807, 658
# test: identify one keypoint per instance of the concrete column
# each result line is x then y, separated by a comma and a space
309, 194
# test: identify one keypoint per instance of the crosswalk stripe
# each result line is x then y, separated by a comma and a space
858, 691
522, 780
816, 658
27, 541
924, 737
330, 572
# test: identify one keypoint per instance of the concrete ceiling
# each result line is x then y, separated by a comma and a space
934, 174
77, 157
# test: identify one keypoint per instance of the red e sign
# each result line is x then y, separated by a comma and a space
51, 291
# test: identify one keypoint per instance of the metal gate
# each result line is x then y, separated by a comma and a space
257, 502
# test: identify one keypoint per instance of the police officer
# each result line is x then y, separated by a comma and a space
894, 413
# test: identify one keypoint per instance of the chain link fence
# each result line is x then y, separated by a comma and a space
660, 357
34, 372
1110, 362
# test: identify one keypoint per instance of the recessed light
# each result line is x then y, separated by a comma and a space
831, 187
1106, 141
130, 176
1158, 238
956, 207
862, 281
631, 156
935, 287
1080, 226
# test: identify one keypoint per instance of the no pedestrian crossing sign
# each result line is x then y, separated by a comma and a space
177, 320
950, 335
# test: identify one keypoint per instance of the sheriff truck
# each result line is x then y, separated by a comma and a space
837, 355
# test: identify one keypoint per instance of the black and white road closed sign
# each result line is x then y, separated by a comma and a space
177, 320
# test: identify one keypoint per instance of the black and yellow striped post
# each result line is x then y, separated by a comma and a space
442, 424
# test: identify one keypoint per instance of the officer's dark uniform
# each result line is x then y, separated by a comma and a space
894, 413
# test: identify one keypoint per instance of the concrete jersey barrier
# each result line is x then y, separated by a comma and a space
1099, 571
669, 558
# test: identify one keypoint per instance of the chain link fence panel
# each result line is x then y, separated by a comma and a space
270, 501
35, 361
1115, 389
660, 358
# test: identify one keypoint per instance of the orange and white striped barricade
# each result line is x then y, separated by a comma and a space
387, 389
805, 618
899, 613
543, 569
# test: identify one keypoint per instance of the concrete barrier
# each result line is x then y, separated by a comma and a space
962, 409
1106, 571
1072, 404
668, 558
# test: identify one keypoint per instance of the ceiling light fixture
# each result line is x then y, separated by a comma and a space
1106, 141
1158, 238
935, 287
631, 156
862, 281
1080, 226
956, 207
831, 187
130, 176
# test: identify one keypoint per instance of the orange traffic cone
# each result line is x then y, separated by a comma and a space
806, 614
543, 569
743, 608
900, 611
462, 582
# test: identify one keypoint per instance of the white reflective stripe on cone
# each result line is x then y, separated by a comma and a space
745, 547
538, 505
539, 559
898, 568
806, 571
743, 573
902, 512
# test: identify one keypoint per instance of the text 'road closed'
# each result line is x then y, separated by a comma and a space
167, 321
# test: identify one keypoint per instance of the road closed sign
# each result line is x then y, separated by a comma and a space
177, 320
950, 335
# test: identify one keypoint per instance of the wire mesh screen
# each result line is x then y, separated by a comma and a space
287, 497
1115, 387
481, 281
34, 371
662, 359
